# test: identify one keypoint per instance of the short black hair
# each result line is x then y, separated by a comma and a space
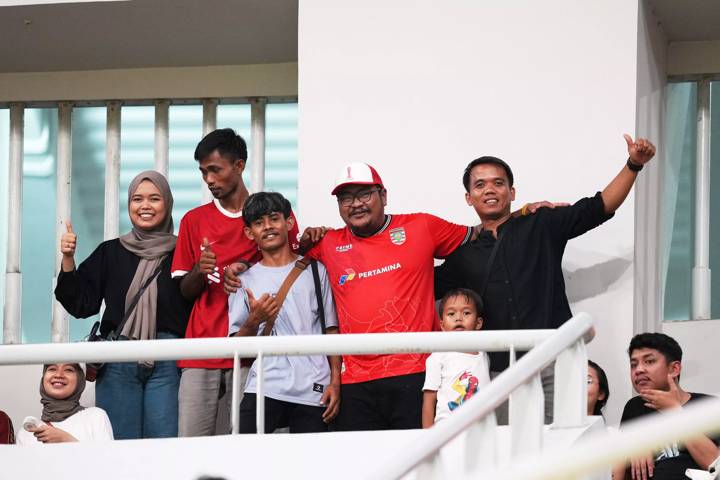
602, 386
483, 161
229, 145
264, 203
665, 344
470, 295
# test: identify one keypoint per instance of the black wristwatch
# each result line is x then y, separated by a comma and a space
633, 166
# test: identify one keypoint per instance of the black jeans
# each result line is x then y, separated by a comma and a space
279, 414
392, 403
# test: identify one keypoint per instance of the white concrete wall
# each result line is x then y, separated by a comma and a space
420, 88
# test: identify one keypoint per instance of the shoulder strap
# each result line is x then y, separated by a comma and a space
115, 334
299, 267
491, 260
318, 294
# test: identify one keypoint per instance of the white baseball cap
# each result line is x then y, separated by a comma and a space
357, 174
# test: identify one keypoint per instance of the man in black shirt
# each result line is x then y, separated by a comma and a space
655, 366
515, 262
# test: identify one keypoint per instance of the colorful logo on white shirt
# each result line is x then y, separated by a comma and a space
349, 275
467, 386
397, 235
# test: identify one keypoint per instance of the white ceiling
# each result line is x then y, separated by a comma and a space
147, 33
688, 20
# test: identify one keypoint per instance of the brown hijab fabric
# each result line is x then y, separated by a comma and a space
152, 247
55, 410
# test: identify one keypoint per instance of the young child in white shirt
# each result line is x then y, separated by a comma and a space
451, 378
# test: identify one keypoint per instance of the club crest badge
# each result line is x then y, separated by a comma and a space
397, 235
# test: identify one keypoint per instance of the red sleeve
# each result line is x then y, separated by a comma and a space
446, 236
294, 234
184, 257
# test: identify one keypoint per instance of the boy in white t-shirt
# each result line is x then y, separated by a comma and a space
451, 378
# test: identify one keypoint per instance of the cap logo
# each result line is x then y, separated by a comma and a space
349, 173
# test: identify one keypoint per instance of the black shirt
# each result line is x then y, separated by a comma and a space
526, 288
106, 275
672, 460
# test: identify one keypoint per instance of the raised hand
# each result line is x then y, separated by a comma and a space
311, 236
661, 399
262, 309
68, 241
640, 151
207, 263
231, 282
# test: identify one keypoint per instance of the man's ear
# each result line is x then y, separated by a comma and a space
512, 193
467, 199
248, 234
383, 197
240, 164
674, 369
290, 223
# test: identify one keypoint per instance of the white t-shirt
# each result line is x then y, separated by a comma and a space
296, 379
89, 425
456, 377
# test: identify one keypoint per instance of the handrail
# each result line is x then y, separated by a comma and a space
640, 436
487, 399
356, 344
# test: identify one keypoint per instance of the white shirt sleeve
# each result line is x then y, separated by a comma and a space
433, 365
101, 428
238, 311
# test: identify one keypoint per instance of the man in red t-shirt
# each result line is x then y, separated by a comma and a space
380, 268
211, 237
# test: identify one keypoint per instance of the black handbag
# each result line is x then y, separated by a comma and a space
92, 369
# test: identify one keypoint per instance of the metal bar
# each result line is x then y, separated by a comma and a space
481, 444
209, 123
527, 416
112, 171
701, 276
60, 326
257, 131
486, 400
162, 136
260, 394
235, 403
12, 325
570, 396
197, 348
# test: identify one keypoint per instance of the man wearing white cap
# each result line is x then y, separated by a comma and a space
380, 268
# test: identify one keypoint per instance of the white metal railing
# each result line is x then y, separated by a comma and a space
701, 275
13, 273
520, 382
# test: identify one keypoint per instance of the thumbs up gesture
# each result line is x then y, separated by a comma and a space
68, 242
262, 309
207, 262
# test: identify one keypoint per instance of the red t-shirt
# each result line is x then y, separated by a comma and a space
384, 283
225, 232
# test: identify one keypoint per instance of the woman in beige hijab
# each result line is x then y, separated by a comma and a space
131, 274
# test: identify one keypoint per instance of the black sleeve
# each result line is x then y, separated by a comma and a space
80, 292
449, 275
573, 221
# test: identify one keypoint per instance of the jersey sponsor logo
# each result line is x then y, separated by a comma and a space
380, 271
349, 275
397, 235
343, 248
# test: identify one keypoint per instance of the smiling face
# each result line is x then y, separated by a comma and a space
362, 207
649, 369
221, 174
490, 192
60, 380
147, 206
270, 232
459, 314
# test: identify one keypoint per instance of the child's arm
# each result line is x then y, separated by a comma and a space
428, 408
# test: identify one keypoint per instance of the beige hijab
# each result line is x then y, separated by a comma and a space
152, 247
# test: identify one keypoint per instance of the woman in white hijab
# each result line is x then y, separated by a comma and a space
131, 274
63, 418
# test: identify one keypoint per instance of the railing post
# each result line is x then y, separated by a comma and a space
570, 398
430, 469
257, 128
112, 171
209, 123
701, 275
527, 417
63, 195
260, 394
235, 401
162, 136
12, 327
480, 444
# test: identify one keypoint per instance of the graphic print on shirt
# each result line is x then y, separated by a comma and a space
397, 235
466, 384
214, 276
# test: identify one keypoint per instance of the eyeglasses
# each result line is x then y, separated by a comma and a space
347, 199
590, 380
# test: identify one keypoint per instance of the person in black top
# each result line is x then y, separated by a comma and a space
655, 367
515, 262
131, 274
